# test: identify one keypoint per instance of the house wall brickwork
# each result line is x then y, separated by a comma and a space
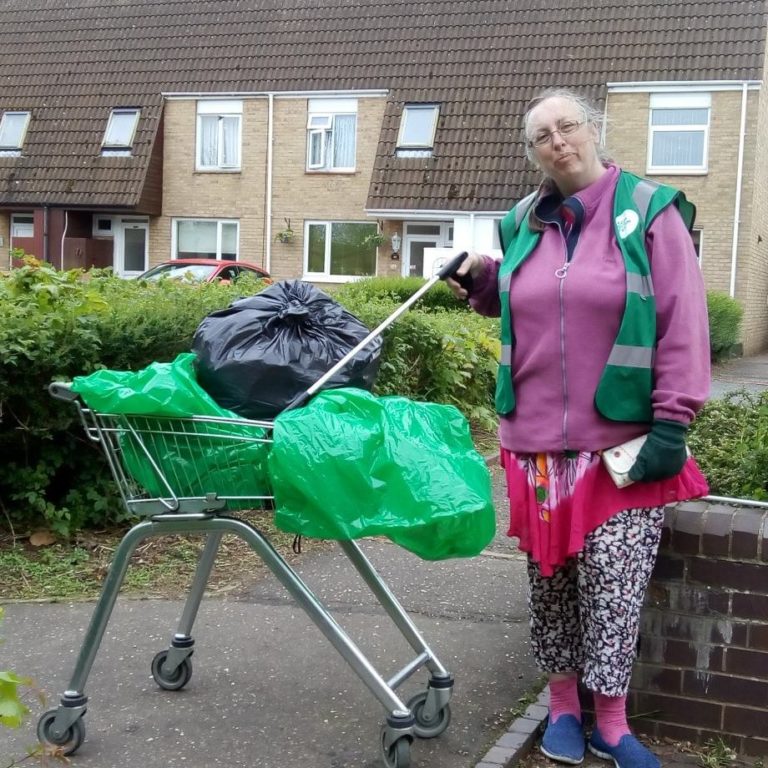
714, 194
202, 194
702, 670
300, 195
755, 237
297, 195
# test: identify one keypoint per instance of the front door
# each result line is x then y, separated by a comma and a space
421, 235
131, 247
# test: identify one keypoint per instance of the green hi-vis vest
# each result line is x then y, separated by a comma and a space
624, 390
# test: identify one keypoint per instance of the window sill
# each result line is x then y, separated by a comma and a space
329, 172
676, 171
322, 278
218, 170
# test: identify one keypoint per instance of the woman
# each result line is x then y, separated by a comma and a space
604, 339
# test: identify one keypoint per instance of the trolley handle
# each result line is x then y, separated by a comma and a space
62, 390
449, 270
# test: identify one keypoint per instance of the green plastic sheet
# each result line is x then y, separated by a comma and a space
350, 464
196, 458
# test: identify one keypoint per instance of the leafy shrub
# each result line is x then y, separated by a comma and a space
398, 290
54, 326
725, 316
730, 441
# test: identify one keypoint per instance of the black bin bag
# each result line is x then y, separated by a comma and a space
259, 354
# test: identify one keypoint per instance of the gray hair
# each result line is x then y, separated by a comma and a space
592, 116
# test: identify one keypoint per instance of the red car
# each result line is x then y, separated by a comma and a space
203, 270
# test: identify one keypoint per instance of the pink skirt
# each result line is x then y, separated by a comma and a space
556, 499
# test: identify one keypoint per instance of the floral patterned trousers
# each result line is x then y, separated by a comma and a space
586, 616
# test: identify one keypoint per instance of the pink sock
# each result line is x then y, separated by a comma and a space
611, 716
564, 698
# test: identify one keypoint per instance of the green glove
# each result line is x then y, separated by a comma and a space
663, 454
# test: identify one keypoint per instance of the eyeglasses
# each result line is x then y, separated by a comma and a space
566, 128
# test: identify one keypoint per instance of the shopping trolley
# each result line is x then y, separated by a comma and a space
152, 461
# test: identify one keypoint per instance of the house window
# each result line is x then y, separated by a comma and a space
205, 239
22, 225
696, 236
331, 134
417, 130
102, 226
13, 128
678, 133
218, 135
335, 250
121, 128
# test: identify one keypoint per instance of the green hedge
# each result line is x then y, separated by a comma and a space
725, 316
56, 325
399, 290
730, 441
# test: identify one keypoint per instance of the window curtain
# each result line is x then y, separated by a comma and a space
344, 141
209, 149
678, 148
196, 239
683, 147
230, 156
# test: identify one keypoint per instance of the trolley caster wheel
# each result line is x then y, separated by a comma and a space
428, 728
66, 744
177, 679
398, 755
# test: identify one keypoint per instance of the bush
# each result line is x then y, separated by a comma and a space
725, 316
729, 439
398, 290
57, 325
435, 356
54, 326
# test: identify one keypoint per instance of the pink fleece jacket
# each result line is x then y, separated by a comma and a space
565, 329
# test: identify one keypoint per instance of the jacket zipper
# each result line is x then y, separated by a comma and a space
561, 273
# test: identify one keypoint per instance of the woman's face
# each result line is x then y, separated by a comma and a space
564, 144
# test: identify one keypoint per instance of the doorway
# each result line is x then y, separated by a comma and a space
131, 247
421, 235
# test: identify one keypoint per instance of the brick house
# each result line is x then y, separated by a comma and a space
140, 131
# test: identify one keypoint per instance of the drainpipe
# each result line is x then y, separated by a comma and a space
268, 205
63, 235
737, 204
45, 233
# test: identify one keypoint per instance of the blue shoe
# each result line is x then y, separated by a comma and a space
564, 740
628, 753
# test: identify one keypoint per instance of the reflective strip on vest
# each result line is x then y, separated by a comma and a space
631, 357
522, 208
505, 283
506, 354
641, 196
639, 284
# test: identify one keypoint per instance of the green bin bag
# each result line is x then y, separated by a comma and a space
350, 464
196, 458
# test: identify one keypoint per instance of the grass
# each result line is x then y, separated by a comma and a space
159, 567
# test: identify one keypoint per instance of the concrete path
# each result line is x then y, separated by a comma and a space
749, 373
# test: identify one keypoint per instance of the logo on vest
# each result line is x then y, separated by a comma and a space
626, 223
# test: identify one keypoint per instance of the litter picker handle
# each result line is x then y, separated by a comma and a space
448, 270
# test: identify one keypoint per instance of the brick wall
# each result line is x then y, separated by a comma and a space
702, 670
